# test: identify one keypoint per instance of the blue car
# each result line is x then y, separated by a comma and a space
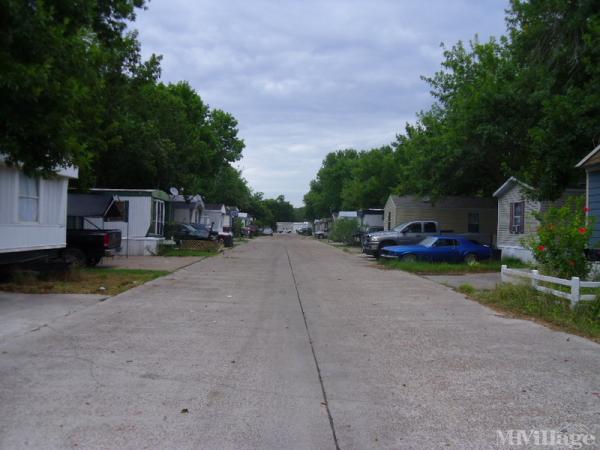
440, 249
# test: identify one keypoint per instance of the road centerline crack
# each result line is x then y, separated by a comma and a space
312, 348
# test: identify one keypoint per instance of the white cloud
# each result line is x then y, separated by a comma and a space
307, 77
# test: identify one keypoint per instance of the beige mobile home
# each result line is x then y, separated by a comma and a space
456, 214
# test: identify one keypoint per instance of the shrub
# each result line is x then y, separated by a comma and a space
560, 242
343, 230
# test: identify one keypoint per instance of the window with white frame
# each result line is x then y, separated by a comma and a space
517, 218
158, 221
29, 199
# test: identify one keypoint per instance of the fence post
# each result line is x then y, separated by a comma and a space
502, 276
534, 280
575, 288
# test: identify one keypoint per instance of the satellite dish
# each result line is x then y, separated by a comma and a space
174, 191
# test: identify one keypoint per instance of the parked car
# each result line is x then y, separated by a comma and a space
184, 232
204, 230
267, 231
359, 237
88, 247
440, 249
411, 233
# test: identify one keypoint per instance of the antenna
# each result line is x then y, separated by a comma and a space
173, 191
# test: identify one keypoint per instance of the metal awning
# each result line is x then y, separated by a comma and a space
93, 205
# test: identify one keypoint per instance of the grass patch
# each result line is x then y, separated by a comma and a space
466, 289
83, 281
523, 301
443, 268
174, 251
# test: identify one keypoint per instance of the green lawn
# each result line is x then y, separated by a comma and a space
432, 268
523, 301
82, 281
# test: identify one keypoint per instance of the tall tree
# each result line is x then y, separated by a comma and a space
53, 57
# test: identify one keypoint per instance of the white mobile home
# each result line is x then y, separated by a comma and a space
184, 209
285, 227
369, 218
143, 222
214, 216
230, 215
33, 213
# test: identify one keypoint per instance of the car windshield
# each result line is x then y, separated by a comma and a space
428, 241
199, 226
400, 227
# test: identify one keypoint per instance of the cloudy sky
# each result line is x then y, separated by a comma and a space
306, 77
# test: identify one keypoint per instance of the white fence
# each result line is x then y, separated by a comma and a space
575, 284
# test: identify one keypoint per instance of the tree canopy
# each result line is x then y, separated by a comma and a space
526, 104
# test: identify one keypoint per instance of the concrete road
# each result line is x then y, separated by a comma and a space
284, 343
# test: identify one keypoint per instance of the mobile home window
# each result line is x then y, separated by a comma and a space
473, 223
517, 218
389, 220
29, 199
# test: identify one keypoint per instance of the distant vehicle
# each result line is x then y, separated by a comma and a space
267, 231
440, 249
305, 231
88, 247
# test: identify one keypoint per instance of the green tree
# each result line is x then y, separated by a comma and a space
55, 59
325, 195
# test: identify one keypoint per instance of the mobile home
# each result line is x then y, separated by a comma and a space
142, 223
33, 214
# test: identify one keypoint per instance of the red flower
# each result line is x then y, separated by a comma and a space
582, 230
586, 209
541, 248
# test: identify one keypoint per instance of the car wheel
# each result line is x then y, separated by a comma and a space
93, 261
470, 259
409, 258
74, 258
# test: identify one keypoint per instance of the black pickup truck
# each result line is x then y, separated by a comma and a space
87, 247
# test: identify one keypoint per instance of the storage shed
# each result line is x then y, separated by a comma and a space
456, 214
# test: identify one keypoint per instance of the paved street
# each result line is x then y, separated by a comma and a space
285, 343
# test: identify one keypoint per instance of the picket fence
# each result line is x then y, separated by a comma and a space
575, 284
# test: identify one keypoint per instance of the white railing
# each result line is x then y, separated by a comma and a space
575, 284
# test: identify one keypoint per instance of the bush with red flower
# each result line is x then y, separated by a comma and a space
560, 242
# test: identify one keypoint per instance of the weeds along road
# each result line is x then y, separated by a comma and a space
286, 342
